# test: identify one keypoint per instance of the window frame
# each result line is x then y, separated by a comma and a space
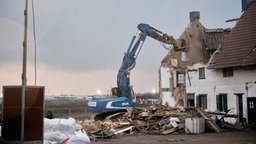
190, 99
228, 72
202, 101
222, 102
180, 80
201, 73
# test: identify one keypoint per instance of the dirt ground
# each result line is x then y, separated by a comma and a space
228, 137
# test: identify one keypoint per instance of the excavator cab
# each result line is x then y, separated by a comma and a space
116, 92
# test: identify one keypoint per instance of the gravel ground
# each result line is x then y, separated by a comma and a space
231, 137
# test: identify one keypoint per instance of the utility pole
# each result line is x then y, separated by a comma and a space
24, 71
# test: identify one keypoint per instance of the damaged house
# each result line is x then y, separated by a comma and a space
213, 68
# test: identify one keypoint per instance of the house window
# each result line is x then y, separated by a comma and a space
228, 72
190, 100
222, 103
201, 73
180, 78
183, 56
251, 104
202, 101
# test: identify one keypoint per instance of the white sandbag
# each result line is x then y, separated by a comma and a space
54, 137
79, 138
66, 126
58, 130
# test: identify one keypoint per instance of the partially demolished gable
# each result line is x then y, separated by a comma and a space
215, 39
195, 46
191, 46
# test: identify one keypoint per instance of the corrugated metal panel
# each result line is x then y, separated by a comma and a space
238, 46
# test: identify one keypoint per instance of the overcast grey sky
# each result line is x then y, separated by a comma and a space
80, 43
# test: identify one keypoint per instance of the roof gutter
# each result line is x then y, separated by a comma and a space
250, 64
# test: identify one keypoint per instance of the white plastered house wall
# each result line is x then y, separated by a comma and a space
242, 83
166, 95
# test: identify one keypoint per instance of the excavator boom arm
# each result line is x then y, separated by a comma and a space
129, 60
156, 34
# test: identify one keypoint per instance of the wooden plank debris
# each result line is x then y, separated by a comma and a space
136, 125
181, 126
209, 120
123, 130
147, 120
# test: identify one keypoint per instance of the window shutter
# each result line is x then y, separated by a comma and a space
218, 102
197, 101
225, 102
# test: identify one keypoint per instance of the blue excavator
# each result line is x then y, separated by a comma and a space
124, 96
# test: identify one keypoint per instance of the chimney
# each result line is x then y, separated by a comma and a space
246, 4
193, 15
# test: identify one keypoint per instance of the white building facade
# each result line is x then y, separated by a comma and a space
216, 91
214, 69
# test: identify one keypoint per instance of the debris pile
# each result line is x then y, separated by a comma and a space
157, 119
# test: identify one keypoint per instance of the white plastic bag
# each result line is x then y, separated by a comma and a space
58, 130
79, 138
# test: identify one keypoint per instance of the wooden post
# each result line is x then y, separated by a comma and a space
209, 120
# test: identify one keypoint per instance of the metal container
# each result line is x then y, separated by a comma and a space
33, 115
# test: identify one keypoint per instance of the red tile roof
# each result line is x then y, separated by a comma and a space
239, 47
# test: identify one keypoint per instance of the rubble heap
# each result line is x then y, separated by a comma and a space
156, 119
